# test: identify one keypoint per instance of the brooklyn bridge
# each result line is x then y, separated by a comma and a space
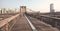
25, 21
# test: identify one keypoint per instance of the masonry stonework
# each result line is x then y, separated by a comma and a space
22, 10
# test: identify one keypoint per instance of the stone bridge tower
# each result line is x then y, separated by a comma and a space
22, 10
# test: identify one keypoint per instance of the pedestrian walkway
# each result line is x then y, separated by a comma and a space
21, 25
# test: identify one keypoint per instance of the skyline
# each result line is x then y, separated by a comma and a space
35, 5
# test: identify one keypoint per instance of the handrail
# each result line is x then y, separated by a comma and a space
5, 21
50, 17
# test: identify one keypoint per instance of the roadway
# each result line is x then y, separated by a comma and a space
41, 26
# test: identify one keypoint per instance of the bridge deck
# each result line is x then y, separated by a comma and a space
21, 25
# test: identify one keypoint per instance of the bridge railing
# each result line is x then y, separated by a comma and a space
54, 21
7, 24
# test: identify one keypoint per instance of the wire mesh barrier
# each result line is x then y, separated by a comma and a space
7, 24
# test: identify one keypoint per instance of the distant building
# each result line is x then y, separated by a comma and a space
0, 11
51, 9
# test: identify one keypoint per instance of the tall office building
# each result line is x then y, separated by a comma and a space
51, 9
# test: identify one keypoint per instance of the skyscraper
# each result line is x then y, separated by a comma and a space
51, 9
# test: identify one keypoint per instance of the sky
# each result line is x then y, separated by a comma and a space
35, 5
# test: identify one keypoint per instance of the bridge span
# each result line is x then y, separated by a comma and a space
21, 23
26, 22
